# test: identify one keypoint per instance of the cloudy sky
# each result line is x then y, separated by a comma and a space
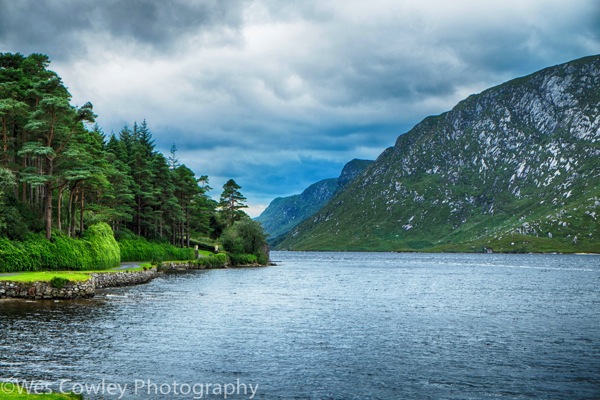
279, 94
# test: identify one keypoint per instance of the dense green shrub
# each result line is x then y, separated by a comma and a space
14, 258
243, 238
59, 282
213, 261
243, 259
104, 249
97, 249
140, 249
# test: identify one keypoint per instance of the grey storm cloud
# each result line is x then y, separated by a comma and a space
60, 26
278, 94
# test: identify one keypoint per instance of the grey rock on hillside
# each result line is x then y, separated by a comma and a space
515, 168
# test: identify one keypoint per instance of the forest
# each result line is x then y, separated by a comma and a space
61, 174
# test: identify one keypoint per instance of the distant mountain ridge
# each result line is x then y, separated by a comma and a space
284, 213
514, 168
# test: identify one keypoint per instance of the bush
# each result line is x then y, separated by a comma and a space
104, 249
214, 261
140, 249
244, 238
243, 259
96, 250
59, 282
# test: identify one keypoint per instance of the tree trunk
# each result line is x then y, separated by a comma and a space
48, 211
182, 234
49, 200
72, 200
81, 212
59, 208
187, 226
24, 164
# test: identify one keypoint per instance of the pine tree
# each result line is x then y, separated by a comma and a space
54, 122
173, 161
232, 202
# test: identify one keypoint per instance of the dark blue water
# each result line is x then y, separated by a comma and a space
327, 326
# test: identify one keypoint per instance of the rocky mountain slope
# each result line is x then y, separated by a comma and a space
284, 213
514, 168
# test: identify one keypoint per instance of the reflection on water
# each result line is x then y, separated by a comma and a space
328, 326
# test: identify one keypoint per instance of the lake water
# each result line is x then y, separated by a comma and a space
325, 326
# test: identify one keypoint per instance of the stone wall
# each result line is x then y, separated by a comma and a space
181, 266
45, 290
74, 290
123, 278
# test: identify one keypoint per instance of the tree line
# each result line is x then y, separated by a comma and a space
60, 173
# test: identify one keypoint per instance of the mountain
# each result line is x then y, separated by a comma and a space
515, 168
284, 213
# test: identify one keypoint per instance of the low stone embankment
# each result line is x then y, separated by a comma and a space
123, 278
172, 266
45, 290
74, 290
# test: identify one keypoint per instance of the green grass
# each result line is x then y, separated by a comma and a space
11, 391
139, 267
47, 276
73, 276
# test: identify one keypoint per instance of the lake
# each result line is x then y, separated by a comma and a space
324, 326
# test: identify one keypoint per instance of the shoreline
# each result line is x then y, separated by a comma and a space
65, 289
87, 289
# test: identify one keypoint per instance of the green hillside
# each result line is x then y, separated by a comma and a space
284, 213
515, 168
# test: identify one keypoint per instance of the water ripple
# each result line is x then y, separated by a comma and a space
331, 326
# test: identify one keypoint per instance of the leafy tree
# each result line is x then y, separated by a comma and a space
203, 208
57, 173
247, 237
86, 173
141, 155
232, 202
168, 210
187, 190
54, 121
120, 198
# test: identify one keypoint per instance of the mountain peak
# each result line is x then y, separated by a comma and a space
284, 213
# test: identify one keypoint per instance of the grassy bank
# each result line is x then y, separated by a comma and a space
73, 276
46, 276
